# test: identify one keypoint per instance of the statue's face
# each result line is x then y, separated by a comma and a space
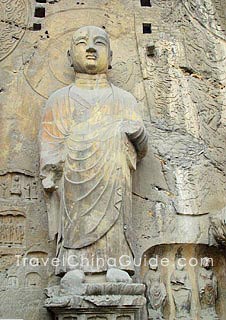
90, 50
153, 266
180, 265
206, 262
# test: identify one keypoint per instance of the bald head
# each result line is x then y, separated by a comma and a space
90, 50
96, 31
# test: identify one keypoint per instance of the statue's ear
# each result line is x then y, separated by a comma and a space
110, 60
69, 58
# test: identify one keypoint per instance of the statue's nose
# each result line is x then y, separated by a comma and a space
90, 49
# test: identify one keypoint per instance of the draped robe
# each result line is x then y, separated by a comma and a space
82, 137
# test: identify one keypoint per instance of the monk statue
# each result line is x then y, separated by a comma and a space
91, 139
155, 293
181, 289
208, 294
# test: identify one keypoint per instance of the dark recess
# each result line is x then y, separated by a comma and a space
37, 26
40, 12
146, 27
145, 3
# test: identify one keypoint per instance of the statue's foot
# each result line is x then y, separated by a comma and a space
117, 275
73, 282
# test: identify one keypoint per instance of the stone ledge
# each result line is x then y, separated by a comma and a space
105, 300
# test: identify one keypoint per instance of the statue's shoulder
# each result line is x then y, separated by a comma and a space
59, 94
57, 100
124, 95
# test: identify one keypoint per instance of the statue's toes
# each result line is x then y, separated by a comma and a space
117, 275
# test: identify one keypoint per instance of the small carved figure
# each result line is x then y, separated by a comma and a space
207, 290
16, 188
27, 189
4, 187
156, 293
33, 191
181, 289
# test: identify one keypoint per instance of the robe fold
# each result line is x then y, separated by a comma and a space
82, 134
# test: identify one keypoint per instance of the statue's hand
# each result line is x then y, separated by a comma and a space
131, 128
49, 184
136, 133
51, 174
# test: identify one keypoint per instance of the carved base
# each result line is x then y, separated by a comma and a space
107, 301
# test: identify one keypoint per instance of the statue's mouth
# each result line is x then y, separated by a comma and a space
91, 57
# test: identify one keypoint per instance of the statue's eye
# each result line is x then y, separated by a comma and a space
101, 43
81, 42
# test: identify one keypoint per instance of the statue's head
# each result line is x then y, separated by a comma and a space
207, 263
180, 264
90, 50
153, 263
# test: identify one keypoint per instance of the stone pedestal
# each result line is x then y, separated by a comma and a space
106, 301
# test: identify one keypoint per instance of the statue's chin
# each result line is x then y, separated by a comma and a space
90, 68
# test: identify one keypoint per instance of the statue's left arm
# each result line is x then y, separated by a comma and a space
139, 140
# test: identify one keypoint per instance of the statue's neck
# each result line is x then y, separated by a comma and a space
90, 81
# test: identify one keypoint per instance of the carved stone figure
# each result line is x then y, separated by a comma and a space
33, 190
16, 188
4, 187
181, 290
156, 293
92, 136
27, 190
207, 290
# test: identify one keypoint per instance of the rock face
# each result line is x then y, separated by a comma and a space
170, 55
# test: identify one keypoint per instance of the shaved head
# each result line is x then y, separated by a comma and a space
90, 29
90, 50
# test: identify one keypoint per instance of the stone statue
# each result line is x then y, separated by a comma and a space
181, 290
207, 282
4, 187
16, 188
92, 136
33, 190
155, 293
27, 191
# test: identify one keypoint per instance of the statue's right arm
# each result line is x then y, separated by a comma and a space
52, 142
51, 174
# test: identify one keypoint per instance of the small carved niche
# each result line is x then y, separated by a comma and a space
12, 282
37, 26
33, 279
39, 257
17, 186
40, 12
145, 3
147, 28
12, 228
